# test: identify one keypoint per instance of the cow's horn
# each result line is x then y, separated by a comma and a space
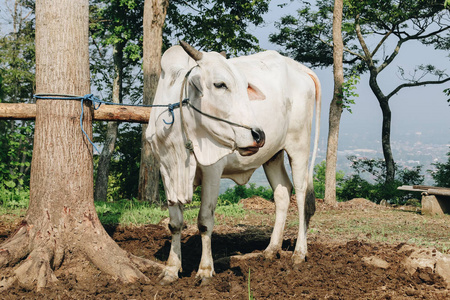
194, 53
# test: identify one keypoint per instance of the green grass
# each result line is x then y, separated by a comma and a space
13, 202
129, 212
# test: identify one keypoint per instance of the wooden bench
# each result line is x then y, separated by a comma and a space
435, 200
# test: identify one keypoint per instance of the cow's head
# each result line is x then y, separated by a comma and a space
215, 87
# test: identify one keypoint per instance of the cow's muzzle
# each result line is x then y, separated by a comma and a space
259, 138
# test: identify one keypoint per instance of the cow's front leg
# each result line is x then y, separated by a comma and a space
173, 266
210, 192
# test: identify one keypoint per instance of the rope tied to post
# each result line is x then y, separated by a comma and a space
96, 103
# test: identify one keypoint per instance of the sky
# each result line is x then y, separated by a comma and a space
420, 109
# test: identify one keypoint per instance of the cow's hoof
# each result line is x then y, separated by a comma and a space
166, 278
203, 281
297, 260
271, 253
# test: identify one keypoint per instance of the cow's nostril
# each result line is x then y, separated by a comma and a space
258, 135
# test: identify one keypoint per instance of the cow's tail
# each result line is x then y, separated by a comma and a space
310, 195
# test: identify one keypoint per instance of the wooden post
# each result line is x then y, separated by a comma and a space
120, 113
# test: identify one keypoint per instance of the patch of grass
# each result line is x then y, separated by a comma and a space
391, 226
14, 202
129, 212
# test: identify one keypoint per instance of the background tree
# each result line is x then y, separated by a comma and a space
336, 105
215, 25
441, 174
154, 16
308, 38
17, 68
116, 31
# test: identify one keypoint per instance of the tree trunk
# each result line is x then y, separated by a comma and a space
386, 141
385, 129
335, 106
101, 183
61, 220
154, 15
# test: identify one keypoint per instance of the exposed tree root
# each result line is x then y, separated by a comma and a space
16, 248
48, 248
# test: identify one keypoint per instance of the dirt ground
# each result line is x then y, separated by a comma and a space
335, 269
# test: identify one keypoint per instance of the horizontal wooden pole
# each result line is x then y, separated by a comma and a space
119, 113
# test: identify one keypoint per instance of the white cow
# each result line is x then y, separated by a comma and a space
236, 106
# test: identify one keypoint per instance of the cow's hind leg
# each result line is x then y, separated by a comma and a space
304, 194
210, 192
173, 265
282, 189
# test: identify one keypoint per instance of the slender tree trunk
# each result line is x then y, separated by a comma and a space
61, 221
386, 141
386, 127
101, 182
335, 106
154, 15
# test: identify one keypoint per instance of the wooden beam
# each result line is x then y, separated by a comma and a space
119, 113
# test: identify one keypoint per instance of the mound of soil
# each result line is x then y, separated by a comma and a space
348, 270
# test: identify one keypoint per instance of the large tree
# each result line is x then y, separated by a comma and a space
374, 32
61, 221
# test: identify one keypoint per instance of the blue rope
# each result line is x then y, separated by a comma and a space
96, 102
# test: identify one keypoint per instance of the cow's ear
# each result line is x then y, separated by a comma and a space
195, 81
254, 93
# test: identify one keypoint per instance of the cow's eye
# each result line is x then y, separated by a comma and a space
220, 85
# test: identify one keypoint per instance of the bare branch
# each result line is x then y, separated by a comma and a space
345, 49
412, 84
391, 57
381, 42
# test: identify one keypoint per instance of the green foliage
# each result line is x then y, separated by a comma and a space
16, 144
14, 199
125, 162
17, 69
238, 192
319, 180
116, 29
307, 36
441, 173
124, 169
368, 181
215, 25
349, 91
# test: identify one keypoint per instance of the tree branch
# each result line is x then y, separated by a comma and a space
391, 57
368, 57
412, 84
381, 42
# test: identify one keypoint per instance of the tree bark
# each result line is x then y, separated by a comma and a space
101, 183
154, 15
335, 106
61, 220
